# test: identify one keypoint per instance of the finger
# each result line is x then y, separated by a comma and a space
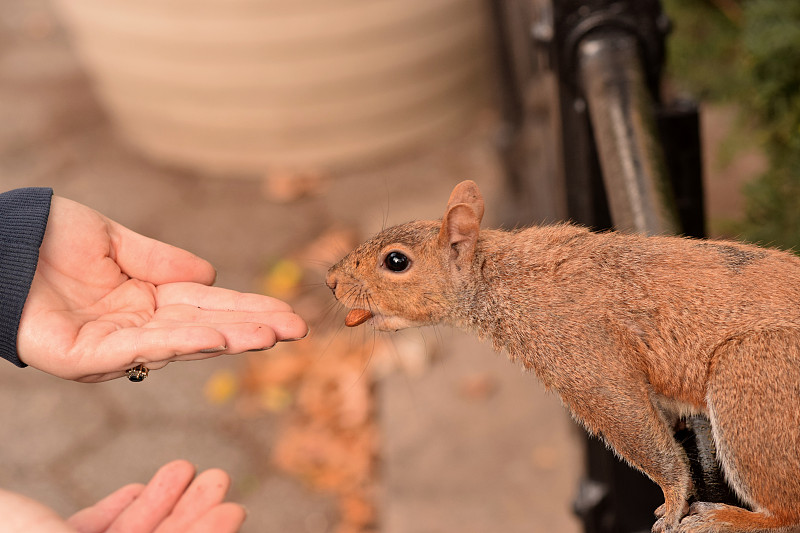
286, 325
224, 518
206, 492
98, 518
217, 298
150, 260
112, 354
102, 351
243, 337
157, 499
172, 342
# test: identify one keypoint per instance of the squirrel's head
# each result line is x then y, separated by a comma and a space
406, 275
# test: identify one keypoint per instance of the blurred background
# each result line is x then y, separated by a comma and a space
270, 137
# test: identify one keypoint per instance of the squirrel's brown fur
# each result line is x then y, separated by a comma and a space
630, 331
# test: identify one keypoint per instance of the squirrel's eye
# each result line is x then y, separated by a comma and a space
396, 261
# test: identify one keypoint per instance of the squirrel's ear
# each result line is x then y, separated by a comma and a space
467, 192
459, 234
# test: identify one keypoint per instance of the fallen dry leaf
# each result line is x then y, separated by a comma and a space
276, 399
280, 367
221, 387
331, 438
284, 186
283, 279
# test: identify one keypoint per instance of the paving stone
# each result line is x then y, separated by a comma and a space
44, 417
45, 489
506, 461
284, 505
137, 452
175, 391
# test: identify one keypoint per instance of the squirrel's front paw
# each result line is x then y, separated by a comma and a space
663, 525
668, 522
700, 518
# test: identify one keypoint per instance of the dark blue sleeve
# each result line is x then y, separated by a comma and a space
23, 219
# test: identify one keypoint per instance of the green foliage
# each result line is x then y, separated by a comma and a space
704, 51
773, 209
753, 61
771, 40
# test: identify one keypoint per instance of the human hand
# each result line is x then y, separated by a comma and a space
172, 502
105, 299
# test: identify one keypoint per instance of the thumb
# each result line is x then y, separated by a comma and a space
156, 262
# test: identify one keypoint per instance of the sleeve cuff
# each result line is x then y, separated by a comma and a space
23, 220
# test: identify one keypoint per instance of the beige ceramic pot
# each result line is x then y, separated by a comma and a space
240, 87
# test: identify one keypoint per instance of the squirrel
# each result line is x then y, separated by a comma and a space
631, 331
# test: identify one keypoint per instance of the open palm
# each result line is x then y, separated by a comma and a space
105, 299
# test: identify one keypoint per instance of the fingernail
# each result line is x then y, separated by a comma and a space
308, 332
260, 349
214, 350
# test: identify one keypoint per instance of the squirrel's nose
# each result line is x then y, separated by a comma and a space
330, 281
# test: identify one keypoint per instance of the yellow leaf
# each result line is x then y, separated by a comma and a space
221, 387
275, 398
283, 278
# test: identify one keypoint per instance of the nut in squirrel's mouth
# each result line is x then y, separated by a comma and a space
357, 317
